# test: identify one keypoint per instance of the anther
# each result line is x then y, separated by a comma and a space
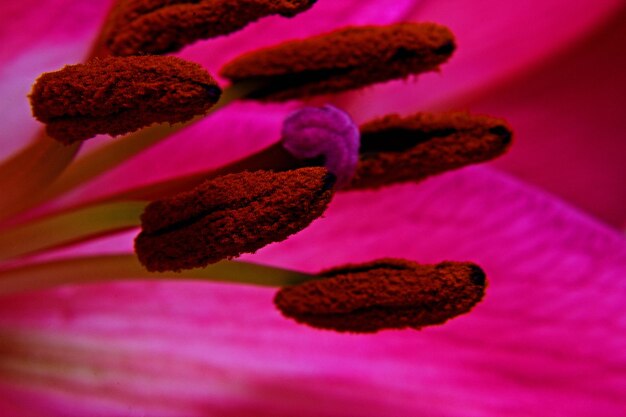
230, 215
161, 26
399, 149
345, 59
327, 133
119, 95
384, 294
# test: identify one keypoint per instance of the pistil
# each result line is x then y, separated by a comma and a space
325, 133
110, 268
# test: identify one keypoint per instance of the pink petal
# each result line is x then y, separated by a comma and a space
569, 123
30, 24
548, 339
35, 37
496, 41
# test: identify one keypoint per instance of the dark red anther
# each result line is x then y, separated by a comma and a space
161, 26
384, 294
399, 149
119, 95
345, 59
230, 215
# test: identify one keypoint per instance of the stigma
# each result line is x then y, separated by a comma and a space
326, 133
384, 294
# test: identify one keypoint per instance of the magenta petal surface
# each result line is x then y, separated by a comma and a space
496, 41
548, 339
569, 122
35, 37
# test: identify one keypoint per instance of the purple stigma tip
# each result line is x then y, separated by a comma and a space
326, 132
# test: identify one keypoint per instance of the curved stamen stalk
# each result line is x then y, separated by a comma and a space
127, 267
70, 227
25, 176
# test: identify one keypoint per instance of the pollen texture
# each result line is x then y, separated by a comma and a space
384, 294
399, 149
345, 59
119, 95
161, 26
230, 215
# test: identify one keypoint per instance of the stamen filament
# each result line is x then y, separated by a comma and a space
124, 148
70, 227
26, 175
126, 267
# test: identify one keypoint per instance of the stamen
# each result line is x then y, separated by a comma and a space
161, 26
120, 95
116, 152
230, 215
327, 133
345, 59
384, 294
398, 149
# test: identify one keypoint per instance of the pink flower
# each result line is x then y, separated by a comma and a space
547, 340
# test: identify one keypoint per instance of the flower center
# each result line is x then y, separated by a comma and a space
202, 220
